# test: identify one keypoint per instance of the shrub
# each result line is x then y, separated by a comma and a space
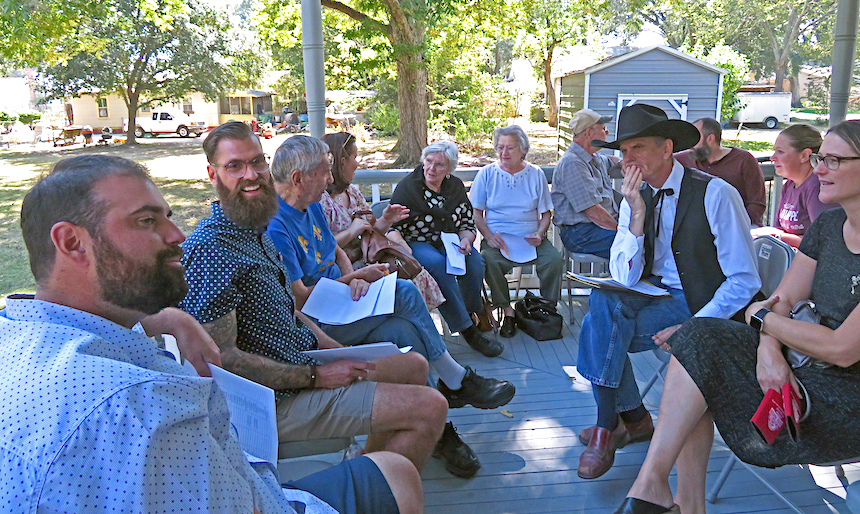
384, 117
27, 117
5, 116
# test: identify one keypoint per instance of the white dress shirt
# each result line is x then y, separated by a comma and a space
729, 223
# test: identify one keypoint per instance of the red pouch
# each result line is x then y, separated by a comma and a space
769, 418
791, 405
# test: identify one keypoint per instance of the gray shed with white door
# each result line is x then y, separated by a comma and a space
685, 87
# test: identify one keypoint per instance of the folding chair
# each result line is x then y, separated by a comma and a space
773, 257
576, 261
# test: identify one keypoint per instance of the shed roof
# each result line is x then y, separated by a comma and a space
612, 61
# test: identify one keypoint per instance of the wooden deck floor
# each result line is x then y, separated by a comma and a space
529, 460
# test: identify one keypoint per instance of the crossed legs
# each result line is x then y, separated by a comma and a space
684, 435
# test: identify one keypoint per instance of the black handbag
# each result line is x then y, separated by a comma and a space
538, 317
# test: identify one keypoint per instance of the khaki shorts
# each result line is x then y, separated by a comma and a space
326, 413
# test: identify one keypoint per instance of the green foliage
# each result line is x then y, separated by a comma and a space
34, 32
750, 146
818, 92
27, 117
154, 51
384, 117
737, 66
538, 106
5, 116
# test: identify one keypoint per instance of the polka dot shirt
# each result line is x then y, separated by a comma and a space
97, 419
229, 267
422, 228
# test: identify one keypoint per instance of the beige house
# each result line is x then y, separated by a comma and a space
110, 110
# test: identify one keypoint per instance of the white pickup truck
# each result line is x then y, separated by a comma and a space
163, 121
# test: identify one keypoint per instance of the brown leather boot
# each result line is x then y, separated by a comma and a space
484, 319
637, 432
600, 454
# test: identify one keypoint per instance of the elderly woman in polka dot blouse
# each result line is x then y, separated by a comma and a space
437, 203
512, 196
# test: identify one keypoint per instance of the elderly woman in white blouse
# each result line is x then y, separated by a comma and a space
512, 196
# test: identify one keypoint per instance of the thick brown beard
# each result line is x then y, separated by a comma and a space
700, 154
146, 289
247, 212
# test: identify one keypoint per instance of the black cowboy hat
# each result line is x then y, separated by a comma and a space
643, 120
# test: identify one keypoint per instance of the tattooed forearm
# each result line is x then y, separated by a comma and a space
270, 373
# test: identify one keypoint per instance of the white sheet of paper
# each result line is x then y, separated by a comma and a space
361, 352
641, 287
455, 262
252, 413
331, 302
517, 248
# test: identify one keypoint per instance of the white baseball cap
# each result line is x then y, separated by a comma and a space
585, 118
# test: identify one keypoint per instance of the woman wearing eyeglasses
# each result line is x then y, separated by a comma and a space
720, 370
342, 200
799, 204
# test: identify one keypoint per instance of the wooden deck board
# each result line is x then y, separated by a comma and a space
529, 461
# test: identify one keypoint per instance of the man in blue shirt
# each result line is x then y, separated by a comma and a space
301, 234
80, 378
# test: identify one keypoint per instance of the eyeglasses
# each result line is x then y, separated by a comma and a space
832, 162
237, 168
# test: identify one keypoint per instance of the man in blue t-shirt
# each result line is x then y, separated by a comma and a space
301, 171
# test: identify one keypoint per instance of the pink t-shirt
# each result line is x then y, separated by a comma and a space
799, 205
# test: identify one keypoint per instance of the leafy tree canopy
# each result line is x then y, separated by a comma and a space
151, 51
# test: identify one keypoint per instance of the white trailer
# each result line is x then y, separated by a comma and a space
768, 108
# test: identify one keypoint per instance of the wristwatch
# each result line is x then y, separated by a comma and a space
757, 319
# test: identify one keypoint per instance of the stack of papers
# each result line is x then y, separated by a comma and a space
252, 413
361, 353
640, 287
517, 249
331, 302
455, 260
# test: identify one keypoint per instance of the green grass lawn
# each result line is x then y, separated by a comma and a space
189, 200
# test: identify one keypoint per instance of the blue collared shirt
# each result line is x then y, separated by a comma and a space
233, 268
97, 419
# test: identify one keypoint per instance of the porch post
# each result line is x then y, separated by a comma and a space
314, 64
844, 43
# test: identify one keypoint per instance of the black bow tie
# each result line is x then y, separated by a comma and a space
657, 205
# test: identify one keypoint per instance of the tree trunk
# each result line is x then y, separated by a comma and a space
407, 39
779, 69
795, 92
551, 102
132, 103
412, 104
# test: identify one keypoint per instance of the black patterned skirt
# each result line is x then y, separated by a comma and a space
720, 356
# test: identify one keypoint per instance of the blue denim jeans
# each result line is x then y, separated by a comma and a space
587, 238
462, 293
410, 325
619, 322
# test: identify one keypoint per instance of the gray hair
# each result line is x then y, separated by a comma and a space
517, 132
302, 153
446, 148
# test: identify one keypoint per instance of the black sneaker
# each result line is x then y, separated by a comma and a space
488, 347
456, 455
479, 392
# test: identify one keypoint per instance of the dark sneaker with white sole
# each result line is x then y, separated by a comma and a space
488, 347
456, 455
477, 391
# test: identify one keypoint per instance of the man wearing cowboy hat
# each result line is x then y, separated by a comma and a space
585, 208
678, 228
